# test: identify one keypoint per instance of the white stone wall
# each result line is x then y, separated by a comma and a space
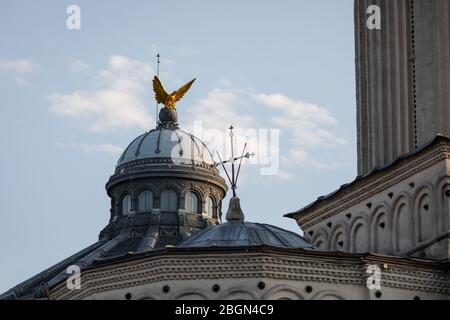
390, 212
259, 274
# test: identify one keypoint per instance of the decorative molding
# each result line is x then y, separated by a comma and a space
366, 188
163, 269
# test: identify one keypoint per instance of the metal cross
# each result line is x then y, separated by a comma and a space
234, 175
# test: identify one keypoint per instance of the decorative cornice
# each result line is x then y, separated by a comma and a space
169, 171
365, 188
301, 267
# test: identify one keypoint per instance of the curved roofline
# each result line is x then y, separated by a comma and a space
252, 236
197, 141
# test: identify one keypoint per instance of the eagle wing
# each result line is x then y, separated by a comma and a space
160, 93
178, 94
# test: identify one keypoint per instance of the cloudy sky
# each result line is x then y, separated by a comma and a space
71, 101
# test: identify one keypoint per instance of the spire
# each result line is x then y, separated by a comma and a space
157, 74
234, 210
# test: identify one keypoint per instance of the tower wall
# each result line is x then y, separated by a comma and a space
403, 81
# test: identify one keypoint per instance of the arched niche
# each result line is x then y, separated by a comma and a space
424, 214
339, 239
403, 232
239, 294
328, 295
283, 292
381, 230
359, 234
190, 294
320, 240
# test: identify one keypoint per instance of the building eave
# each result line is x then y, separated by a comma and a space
379, 170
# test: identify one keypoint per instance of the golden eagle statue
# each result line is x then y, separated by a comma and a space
169, 100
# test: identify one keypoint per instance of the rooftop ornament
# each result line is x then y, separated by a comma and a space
168, 115
234, 212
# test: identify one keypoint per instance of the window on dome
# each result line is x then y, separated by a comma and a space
210, 207
192, 202
126, 205
169, 201
145, 201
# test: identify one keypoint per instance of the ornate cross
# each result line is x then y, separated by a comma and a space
234, 175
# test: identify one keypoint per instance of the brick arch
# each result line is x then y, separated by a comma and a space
328, 295
339, 234
239, 293
145, 186
359, 240
189, 294
148, 297
283, 292
402, 223
443, 203
381, 229
425, 217
320, 239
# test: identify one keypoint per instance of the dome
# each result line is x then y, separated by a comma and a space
167, 143
243, 233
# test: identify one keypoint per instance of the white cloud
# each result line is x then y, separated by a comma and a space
120, 101
307, 124
20, 69
297, 110
79, 66
222, 108
308, 130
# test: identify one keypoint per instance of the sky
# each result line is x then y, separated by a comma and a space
72, 99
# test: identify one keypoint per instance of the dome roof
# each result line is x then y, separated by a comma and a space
172, 142
242, 233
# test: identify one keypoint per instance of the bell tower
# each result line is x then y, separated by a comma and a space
403, 78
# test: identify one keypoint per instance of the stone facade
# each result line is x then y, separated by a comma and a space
394, 217
399, 210
258, 273
203, 182
166, 159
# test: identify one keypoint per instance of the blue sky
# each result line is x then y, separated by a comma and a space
71, 100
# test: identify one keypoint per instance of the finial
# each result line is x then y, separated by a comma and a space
157, 74
234, 211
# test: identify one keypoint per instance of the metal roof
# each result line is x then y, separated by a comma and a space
103, 250
170, 142
242, 233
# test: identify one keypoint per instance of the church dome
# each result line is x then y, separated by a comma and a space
237, 232
243, 233
167, 143
165, 187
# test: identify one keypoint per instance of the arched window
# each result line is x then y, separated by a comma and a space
145, 201
169, 201
126, 205
210, 207
191, 202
